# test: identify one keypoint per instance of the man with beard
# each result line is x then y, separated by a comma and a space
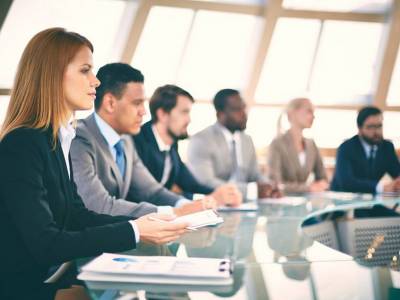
157, 146
223, 153
364, 159
110, 177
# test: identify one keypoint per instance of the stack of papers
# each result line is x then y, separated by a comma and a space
157, 270
200, 219
248, 206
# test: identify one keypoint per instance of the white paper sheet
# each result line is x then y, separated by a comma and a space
248, 206
153, 269
200, 219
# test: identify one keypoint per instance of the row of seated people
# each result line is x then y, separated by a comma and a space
361, 161
44, 221
223, 153
62, 191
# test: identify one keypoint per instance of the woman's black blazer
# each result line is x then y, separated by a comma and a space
43, 221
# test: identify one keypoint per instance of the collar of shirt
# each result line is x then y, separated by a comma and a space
161, 145
367, 147
111, 136
66, 135
229, 136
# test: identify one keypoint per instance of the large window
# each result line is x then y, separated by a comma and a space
391, 127
364, 6
393, 98
98, 20
289, 62
346, 63
161, 45
202, 52
334, 64
219, 53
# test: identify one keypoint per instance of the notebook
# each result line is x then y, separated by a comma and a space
200, 219
157, 270
248, 206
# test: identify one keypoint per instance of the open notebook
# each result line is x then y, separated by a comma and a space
157, 270
200, 219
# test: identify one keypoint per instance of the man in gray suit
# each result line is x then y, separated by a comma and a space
230, 154
110, 176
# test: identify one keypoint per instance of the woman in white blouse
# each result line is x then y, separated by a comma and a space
292, 157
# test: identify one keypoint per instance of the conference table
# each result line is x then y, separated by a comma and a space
316, 246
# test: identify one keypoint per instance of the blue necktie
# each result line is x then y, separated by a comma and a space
120, 157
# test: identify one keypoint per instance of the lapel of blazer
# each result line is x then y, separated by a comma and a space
222, 150
379, 163
245, 152
310, 158
158, 165
129, 153
361, 153
63, 177
174, 161
91, 124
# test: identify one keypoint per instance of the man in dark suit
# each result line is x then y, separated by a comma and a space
364, 159
157, 145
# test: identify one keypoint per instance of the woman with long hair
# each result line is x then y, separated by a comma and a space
292, 157
43, 222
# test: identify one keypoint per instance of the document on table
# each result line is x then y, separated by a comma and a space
157, 269
345, 196
248, 206
200, 219
283, 201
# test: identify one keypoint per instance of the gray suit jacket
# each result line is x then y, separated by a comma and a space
100, 183
284, 166
210, 160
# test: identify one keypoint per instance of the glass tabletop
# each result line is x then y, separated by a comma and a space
318, 246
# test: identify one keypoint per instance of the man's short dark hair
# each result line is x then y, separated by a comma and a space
365, 113
114, 78
221, 98
165, 97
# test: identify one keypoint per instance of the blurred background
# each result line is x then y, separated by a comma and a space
342, 54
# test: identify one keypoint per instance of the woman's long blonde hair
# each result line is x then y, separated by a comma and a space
293, 104
37, 98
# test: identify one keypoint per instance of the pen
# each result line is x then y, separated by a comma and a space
162, 221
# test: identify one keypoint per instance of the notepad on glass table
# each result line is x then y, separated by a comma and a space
291, 201
157, 269
248, 206
200, 219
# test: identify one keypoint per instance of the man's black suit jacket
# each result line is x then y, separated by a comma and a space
352, 173
43, 221
153, 159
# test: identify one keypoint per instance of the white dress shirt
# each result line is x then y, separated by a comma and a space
302, 158
229, 137
66, 135
167, 166
252, 190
